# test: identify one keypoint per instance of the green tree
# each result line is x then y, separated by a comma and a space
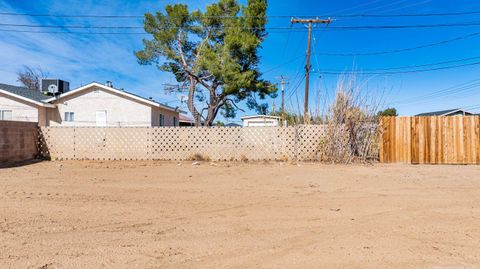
388, 112
289, 117
219, 123
215, 51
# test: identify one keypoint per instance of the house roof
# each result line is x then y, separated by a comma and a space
185, 118
260, 116
25, 94
117, 91
445, 112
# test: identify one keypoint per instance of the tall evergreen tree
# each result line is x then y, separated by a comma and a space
215, 51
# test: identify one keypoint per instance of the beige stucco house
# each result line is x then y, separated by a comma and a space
94, 104
21, 104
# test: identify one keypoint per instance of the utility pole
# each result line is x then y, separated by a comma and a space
283, 82
309, 23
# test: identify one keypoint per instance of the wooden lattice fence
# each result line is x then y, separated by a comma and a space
182, 143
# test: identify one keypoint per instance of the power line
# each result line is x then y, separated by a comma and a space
336, 14
347, 54
72, 26
283, 64
358, 6
408, 6
360, 27
439, 93
399, 50
72, 32
417, 66
68, 15
383, 6
339, 72
446, 92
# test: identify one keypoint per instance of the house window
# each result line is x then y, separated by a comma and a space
162, 120
5, 114
69, 116
175, 121
101, 118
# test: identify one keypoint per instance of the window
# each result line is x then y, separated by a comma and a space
175, 121
69, 116
162, 120
5, 114
101, 118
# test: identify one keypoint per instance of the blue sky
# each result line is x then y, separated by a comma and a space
82, 58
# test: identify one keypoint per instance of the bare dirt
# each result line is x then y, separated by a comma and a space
165, 215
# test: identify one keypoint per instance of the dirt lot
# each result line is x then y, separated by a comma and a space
166, 215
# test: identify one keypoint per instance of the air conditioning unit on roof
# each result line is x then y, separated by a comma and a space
55, 86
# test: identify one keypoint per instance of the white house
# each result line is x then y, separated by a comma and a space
260, 121
94, 104
21, 104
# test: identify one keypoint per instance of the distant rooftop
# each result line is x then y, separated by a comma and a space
24, 92
448, 112
260, 116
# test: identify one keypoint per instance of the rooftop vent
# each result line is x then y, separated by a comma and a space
109, 84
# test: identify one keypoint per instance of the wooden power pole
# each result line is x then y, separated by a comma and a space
283, 82
309, 23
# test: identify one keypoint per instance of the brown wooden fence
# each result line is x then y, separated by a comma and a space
430, 140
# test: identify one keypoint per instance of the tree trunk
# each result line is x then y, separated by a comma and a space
191, 105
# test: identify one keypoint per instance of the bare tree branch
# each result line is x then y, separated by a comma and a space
31, 78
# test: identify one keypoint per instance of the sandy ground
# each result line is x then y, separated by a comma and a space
165, 215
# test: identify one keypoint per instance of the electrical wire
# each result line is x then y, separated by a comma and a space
339, 72
360, 27
400, 50
331, 14
444, 92
384, 5
357, 6
416, 66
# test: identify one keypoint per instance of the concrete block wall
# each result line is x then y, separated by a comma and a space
18, 141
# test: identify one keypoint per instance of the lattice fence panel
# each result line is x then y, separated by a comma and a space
264, 143
309, 139
169, 143
129, 143
57, 143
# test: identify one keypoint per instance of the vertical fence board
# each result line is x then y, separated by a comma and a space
430, 140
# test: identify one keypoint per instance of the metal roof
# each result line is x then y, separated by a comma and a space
260, 116
24, 92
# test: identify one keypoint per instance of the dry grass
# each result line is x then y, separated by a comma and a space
351, 133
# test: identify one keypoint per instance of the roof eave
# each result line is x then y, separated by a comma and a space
96, 84
42, 104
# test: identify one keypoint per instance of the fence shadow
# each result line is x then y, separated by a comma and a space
14, 164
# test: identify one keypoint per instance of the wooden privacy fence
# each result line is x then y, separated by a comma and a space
430, 140
181, 143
